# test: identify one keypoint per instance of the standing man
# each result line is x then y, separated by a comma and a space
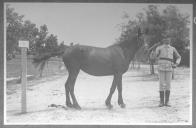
165, 54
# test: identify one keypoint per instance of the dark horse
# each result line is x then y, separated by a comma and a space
113, 60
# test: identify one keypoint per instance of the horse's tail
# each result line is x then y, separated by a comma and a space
41, 60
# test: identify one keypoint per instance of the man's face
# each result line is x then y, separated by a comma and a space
167, 41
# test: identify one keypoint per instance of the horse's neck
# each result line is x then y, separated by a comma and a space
129, 52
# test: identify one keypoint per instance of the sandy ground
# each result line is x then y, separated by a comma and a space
140, 93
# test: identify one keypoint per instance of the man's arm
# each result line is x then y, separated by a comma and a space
178, 57
157, 52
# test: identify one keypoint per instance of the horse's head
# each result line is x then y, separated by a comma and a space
134, 39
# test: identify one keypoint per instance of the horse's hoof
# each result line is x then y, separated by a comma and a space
109, 106
77, 107
69, 105
123, 105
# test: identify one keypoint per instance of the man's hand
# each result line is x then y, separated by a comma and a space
174, 65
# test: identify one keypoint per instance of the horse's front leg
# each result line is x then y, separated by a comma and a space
119, 87
112, 89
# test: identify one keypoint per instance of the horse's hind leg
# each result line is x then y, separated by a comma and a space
73, 73
112, 89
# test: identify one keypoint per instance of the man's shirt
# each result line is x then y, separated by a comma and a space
165, 54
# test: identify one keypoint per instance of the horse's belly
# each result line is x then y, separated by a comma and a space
98, 65
98, 72
100, 62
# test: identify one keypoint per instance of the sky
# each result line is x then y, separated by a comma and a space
95, 24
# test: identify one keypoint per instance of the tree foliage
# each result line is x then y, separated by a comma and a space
159, 24
29, 32
13, 28
18, 29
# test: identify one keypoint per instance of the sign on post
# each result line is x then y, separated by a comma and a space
24, 45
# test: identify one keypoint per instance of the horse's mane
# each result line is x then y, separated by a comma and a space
126, 43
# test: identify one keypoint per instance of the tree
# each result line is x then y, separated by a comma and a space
155, 24
17, 29
40, 43
29, 32
13, 31
41, 39
51, 43
169, 22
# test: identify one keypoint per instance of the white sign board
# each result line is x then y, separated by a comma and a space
23, 43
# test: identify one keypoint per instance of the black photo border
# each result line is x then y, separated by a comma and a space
193, 2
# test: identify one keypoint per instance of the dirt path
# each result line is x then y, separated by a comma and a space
140, 92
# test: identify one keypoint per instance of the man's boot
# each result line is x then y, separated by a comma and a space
161, 99
167, 94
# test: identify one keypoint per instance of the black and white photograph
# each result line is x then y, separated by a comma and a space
98, 63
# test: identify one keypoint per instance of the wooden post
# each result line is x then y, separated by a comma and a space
24, 45
24, 80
